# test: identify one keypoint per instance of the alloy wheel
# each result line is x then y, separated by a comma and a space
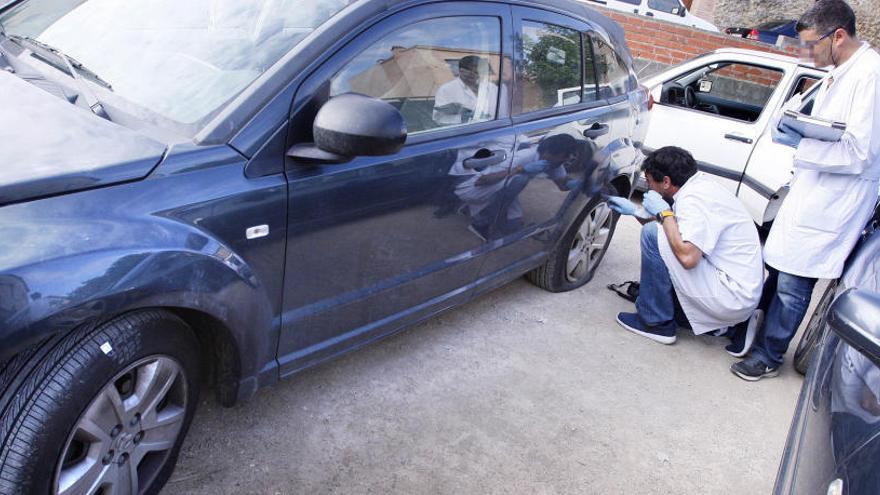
122, 440
589, 243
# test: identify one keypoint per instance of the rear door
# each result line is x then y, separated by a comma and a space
380, 242
718, 110
565, 122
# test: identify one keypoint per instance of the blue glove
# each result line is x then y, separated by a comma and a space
787, 136
622, 205
572, 184
654, 203
536, 167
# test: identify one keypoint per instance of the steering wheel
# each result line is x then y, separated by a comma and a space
690, 97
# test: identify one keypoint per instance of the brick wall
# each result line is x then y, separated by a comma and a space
665, 43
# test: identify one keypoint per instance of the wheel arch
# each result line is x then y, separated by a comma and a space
216, 295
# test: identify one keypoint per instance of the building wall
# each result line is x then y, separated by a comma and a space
658, 44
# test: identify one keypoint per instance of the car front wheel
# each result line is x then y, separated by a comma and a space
103, 410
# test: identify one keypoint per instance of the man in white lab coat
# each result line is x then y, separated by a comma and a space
701, 263
834, 187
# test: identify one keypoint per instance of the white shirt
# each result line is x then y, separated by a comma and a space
456, 91
834, 188
725, 286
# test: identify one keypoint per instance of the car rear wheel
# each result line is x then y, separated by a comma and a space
577, 257
813, 332
103, 410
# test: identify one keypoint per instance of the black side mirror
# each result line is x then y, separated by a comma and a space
855, 317
352, 125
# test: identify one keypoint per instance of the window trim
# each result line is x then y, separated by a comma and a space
785, 74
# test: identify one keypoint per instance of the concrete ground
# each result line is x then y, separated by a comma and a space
521, 391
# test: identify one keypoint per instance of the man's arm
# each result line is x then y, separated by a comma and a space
689, 255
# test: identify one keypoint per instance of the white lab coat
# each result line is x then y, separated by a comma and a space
456, 91
725, 286
834, 187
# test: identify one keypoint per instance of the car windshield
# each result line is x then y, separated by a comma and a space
183, 59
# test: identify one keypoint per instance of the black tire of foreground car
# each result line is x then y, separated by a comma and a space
810, 338
103, 409
575, 260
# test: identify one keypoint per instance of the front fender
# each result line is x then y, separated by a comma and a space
204, 276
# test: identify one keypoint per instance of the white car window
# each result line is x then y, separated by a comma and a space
728, 89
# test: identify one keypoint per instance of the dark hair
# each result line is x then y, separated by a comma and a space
828, 15
672, 162
558, 144
471, 62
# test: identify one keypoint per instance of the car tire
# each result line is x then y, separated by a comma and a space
578, 255
60, 399
813, 332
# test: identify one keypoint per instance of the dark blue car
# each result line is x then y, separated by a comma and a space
833, 445
228, 192
769, 32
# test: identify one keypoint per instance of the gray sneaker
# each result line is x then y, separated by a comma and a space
753, 369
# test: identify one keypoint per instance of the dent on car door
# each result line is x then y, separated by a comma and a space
725, 106
564, 135
379, 242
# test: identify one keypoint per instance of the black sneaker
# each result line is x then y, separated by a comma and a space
753, 369
742, 341
664, 334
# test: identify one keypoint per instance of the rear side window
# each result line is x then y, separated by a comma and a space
550, 75
434, 79
612, 74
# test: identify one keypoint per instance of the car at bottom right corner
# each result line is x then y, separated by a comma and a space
833, 444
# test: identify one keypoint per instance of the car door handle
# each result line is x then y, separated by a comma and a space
485, 158
649, 14
737, 137
596, 130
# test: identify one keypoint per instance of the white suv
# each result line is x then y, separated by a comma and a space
665, 10
721, 107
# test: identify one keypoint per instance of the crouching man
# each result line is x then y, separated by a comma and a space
701, 258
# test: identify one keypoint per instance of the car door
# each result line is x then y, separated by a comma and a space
833, 443
563, 144
379, 242
765, 180
717, 109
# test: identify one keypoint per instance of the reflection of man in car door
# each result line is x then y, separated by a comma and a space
834, 187
701, 261
471, 97
487, 197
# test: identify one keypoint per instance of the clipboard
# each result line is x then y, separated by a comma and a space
813, 127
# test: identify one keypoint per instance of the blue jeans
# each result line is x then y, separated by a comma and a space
657, 303
785, 300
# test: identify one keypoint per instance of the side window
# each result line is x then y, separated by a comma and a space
668, 6
612, 74
734, 90
632, 2
550, 75
434, 78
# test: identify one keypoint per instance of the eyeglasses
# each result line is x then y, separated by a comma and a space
810, 44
